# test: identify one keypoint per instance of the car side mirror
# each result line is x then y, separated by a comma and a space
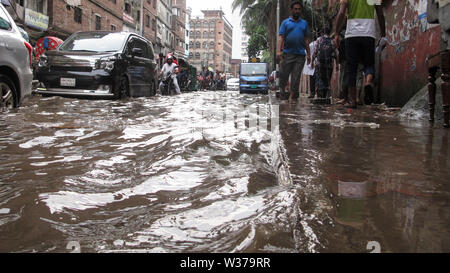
137, 51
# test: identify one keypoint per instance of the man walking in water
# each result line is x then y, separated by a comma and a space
292, 48
360, 42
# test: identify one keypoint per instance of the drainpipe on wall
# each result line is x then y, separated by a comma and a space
142, 17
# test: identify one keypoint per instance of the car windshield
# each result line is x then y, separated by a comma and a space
253, 69
4, 22
95, 42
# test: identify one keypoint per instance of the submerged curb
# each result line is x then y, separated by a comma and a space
280, 160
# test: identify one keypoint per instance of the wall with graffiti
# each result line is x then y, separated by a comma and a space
403, 71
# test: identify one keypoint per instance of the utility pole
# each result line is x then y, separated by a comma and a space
277, 80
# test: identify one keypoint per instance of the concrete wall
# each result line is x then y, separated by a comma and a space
403, 70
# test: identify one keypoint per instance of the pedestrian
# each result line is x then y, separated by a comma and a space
343, 82
169, 67
292, 47
360, 38
203, 76
325, 52
160, 61
309, 71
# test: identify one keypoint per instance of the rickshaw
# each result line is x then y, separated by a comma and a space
193, 85
183, 75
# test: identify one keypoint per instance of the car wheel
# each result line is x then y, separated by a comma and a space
122, 89
8, 94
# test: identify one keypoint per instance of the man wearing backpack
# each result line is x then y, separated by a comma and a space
360, 42
325, 52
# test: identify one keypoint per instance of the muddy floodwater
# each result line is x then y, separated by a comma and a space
220, 172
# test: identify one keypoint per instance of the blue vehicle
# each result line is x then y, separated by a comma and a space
254, 78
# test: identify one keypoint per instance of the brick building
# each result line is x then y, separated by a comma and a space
67, 17
179, 26
61, 18
150, 19
164, 36
211, 41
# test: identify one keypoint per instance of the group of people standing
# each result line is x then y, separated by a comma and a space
209, 80
358, 48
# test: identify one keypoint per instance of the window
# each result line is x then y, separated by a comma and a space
113, 28
4, 21
77, 15
197, 45
205, 34
197, 55
36, 5
212, 35
154, 4
138, 15
98, 22
205, 24
147, 21
138, 43
114, 1
211, 44
127, 8
212, 24
153, 24
191, 55
205, 44
198, 24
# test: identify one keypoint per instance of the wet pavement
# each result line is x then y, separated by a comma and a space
217, 172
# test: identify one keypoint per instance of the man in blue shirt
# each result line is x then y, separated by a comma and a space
293, 46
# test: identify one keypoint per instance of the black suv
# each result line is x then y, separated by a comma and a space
99, 64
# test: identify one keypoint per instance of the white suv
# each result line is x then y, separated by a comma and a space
16, 75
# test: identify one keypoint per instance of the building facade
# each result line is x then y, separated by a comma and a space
179, 27
244, 46
164, 35
149, 19
235, 67
211, 41
61, 18
188, 28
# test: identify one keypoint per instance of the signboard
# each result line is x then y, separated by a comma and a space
36, 20
128, 19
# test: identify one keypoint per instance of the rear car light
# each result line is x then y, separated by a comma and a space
30, 52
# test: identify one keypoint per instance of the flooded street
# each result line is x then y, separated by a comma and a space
219, 172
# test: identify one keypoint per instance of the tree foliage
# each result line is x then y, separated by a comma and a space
259, 17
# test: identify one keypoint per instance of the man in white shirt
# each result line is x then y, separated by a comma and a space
169, 67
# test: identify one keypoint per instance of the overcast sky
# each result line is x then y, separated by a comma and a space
233, 18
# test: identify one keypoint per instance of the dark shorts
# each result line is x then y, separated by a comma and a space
359, 50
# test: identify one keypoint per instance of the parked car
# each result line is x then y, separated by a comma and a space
233, 84
16, 75
99, 64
